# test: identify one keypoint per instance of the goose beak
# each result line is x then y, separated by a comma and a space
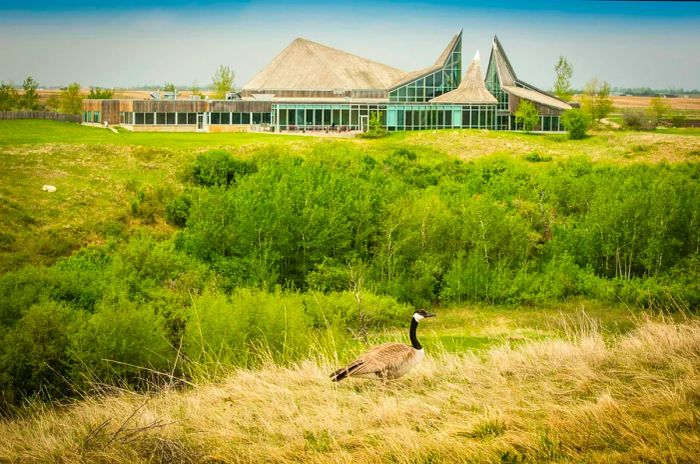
430, 315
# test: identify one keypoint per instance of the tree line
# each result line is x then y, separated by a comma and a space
69, 99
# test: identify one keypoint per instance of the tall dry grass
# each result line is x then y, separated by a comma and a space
576, 399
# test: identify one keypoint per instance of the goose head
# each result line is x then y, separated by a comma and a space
421, 314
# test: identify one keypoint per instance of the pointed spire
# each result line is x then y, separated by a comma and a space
472, 88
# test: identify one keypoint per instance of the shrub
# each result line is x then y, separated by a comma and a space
121, 342
638, 119
526, 116
219, 168
246, 328
535, 157
576, 122
177, 210
34, 354
375, 130
678, 119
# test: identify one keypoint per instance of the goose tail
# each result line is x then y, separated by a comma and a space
344, 372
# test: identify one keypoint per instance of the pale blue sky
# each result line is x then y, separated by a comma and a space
655, 44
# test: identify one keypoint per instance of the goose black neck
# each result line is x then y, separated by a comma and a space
414, 340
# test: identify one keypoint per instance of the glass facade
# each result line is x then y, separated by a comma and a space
190, 119
91, 116
347, 117
407, 116
325, 117
493, 85
429, 86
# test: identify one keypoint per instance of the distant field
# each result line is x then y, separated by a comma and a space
680, 103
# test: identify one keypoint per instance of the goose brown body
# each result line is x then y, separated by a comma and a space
388, 361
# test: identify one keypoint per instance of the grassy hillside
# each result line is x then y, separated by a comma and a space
635, 398
98, 172
182, 297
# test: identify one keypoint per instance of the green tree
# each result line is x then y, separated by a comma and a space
222, 81
659, 108
30, 97
169, 87
9, 98
526, 116
71, 98
97, 93
596, 100
576, 122
53, 103
562, 82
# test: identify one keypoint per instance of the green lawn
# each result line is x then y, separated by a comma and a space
40, 132
480, 327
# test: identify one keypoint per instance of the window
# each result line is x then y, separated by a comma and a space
192, 118
95, 116
225, 118
140, 118
245, 118
216, 118
160, 118
149, 118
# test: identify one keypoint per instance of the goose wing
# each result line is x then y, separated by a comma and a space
379, 361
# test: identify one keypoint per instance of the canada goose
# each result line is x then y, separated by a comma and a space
388, 361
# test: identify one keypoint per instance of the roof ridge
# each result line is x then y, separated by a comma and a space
348, 53
325, 61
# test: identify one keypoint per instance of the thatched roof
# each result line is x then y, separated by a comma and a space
471, 90
307, 65
538, 97
511, 84
439, 63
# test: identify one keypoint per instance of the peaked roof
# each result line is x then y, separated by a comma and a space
506, 74
307, 65
439, 63
511, 84
472, 88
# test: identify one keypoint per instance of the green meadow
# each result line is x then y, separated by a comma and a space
174, 284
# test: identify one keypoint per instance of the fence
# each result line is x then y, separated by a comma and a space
681, 123
39, 115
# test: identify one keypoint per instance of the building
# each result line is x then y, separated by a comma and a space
311, 87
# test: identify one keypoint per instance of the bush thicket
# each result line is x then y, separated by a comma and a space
281, 256
576, 122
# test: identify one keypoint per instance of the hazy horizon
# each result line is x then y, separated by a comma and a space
629, 44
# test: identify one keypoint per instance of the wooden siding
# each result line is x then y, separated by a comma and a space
240, 106
91, 105
40, 115
170, 106
110, 109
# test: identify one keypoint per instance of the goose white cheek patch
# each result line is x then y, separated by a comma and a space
418, 317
